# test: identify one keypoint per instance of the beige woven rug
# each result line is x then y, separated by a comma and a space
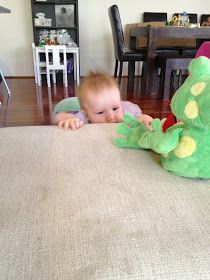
74, 206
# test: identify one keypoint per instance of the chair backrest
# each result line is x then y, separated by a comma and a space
151, 16
117, 31
204, 50
56, 62
203, 22
193, 18
204, 19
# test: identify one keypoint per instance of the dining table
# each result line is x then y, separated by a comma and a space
153, 34
73, 205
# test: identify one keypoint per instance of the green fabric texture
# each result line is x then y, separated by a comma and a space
70, 104
132, 129
185, 146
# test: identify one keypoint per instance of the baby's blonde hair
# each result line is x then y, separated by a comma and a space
95, 82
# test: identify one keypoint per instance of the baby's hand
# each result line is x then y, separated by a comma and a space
72, 123
146, 120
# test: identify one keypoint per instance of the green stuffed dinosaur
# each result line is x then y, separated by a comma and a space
185, 146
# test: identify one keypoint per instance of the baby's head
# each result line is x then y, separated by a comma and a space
100, 98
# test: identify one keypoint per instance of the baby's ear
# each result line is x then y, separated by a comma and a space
200, 67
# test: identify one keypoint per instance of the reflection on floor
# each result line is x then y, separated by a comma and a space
32, 105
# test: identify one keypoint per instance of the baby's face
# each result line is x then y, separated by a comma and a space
105, 107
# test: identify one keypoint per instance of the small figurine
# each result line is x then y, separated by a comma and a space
41, 43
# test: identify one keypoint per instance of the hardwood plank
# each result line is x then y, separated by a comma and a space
31, 105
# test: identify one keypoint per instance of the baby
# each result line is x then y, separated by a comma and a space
100, 102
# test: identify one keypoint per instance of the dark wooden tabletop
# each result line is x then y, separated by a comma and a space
153, 33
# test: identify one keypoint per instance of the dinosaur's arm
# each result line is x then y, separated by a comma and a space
158, 141
132, 130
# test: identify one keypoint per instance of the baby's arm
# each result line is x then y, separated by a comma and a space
68, 120
145, 119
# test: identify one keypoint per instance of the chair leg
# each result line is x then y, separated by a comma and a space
48, 77
143, 77
120, 73
116, 68
161, 82
38, 71
167, 82
131, 74
54, 77
180, 78
65, 80
77, 67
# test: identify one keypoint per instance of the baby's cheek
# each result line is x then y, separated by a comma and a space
98, 119
119, 117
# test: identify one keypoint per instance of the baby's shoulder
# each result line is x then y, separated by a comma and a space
130, 107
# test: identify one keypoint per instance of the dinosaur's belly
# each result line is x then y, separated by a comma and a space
191, 158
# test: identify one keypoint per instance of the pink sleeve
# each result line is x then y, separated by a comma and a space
129, 107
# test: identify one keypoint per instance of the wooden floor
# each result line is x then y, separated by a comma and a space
32, 105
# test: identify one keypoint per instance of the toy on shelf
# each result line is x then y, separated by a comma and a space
174, 20
181, 19
54, 37
185, 146
42, 21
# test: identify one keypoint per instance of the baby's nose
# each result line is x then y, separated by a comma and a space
110, 117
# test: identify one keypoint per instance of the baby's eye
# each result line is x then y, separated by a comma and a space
115, 108
99, 113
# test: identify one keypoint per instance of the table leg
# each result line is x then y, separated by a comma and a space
131, 66
151, 72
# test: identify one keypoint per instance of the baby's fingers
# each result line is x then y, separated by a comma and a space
67, 124
75, 124
61, 124
78, 123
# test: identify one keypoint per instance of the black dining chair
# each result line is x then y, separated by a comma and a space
204, 19
154, 16
123, 54
169, 65
203, 22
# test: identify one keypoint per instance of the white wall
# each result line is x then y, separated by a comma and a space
96, 47
16, 36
